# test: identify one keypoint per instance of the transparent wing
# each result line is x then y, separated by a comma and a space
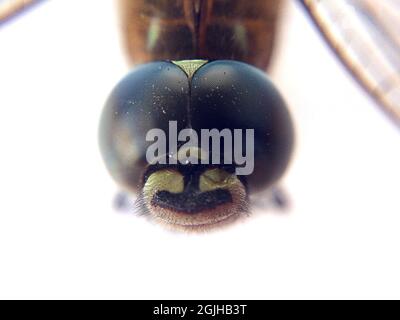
12, 8
365, 35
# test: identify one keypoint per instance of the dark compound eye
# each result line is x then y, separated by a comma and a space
235, 95
219, 95
148, 97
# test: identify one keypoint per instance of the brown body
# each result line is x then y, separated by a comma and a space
240, 30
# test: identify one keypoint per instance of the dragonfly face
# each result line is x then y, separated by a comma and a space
194, 141
239, 134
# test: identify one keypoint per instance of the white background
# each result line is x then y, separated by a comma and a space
61, 238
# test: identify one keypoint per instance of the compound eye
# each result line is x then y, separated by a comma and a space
149, 97
240, 97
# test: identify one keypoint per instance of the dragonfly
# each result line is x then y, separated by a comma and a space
193, 36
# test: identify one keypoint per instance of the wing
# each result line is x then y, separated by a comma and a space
365, 35
12, 8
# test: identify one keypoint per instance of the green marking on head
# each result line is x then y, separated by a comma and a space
189, 66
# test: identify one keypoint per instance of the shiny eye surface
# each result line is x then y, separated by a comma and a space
231, 111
